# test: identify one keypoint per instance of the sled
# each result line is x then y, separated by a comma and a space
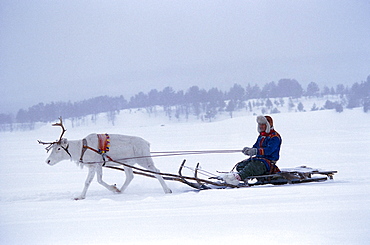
296, 175
302, 174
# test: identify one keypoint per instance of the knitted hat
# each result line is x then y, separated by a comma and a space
265, 120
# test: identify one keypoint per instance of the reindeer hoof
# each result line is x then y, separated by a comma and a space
115, 189
78, 198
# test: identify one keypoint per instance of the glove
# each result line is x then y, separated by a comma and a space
252, 151
245, 150
249, 151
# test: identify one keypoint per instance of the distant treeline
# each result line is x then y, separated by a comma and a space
194, 100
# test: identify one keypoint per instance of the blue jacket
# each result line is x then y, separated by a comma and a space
268, 147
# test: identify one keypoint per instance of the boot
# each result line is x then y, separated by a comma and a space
231, 178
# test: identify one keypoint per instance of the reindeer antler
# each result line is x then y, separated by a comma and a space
50, 144
63, 129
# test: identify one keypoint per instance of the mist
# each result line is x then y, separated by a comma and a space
74, 50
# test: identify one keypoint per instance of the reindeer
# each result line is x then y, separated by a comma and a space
85, 153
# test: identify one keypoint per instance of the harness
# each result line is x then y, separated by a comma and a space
66, 149
103, 147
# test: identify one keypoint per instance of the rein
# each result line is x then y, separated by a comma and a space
180, 153
156, 154
106, 145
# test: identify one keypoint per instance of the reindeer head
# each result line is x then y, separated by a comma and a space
59, 148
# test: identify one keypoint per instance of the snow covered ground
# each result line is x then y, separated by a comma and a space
36, 205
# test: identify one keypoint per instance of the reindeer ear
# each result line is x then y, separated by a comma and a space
63, 141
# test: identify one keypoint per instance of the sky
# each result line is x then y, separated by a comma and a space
73, 50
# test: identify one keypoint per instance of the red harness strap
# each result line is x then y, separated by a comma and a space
104, 143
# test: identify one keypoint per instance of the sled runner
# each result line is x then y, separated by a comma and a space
296, 175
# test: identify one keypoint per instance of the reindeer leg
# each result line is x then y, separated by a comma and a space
161, 180
129, 177
99, 176
88, 180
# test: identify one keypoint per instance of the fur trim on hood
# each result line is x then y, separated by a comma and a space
265, 120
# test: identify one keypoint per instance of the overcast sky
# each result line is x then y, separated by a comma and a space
73, 50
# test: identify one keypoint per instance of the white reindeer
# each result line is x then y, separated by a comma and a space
134, 149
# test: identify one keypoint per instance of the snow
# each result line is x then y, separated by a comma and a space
36, 205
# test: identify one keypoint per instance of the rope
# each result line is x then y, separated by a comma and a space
179, 153
204, 172
169, 153
206, 151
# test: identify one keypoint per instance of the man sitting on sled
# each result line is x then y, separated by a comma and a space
263, 155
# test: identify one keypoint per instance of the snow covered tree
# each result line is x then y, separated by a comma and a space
289, 88
314, 107
325, 90
300, 106
338, 107
367, 104
269, 90
236, 93
312, 89
269, 103
252, 92
230, 107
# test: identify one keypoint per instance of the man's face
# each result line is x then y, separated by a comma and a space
262, 127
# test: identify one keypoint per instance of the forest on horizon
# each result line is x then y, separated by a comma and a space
195, 100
